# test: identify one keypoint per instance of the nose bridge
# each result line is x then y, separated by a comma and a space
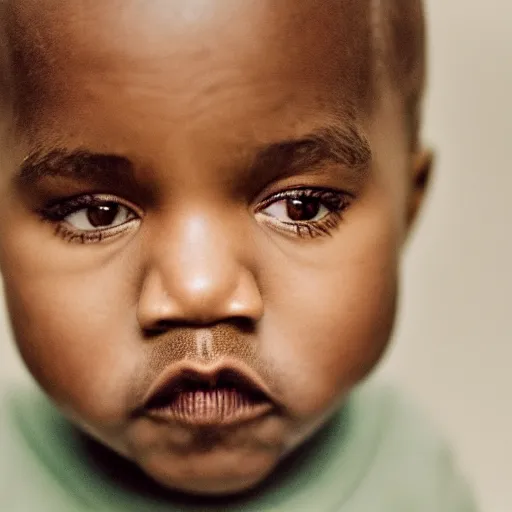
200, 260
197, 264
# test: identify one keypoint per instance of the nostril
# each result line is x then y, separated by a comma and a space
245, 325
156, 329
241, 324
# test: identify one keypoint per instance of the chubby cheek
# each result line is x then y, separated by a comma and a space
334, 312
73, 336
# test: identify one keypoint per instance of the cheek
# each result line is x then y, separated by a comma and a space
334, 312
76, 338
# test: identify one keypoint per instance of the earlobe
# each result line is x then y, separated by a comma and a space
421, 171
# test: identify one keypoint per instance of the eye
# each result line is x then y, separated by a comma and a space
304, 212
91, 218
307, 209
100, 216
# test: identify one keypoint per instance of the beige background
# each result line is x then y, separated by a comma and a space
453, 344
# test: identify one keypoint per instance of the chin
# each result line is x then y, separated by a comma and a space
218, 488
217, 480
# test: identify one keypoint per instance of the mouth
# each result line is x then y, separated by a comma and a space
201, 397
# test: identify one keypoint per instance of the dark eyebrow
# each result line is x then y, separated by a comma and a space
342, 145
81, 165
345, 146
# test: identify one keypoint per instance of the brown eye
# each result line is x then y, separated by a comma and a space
297, 209
100, 216
306, 212
302, 209
103, 215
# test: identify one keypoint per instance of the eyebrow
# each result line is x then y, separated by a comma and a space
345, 146
342, 145
80, 164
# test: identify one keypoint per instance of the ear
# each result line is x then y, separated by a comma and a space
421, 170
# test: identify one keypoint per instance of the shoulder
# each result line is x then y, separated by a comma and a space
26, 483
413, 464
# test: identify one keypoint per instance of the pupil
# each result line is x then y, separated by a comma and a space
103, 215
302, 209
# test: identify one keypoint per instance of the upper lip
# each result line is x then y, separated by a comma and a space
189, 376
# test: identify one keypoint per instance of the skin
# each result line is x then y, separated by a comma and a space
195, 100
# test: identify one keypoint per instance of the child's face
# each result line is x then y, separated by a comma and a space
210, 196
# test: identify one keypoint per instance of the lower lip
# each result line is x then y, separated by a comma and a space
221, 407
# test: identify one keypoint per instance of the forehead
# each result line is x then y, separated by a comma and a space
225, 55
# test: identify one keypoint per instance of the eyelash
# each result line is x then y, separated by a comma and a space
335, 201
57, 211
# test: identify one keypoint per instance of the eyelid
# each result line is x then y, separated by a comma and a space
58, 209
339, 202
301, 192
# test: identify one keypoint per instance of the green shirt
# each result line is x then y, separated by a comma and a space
377, 454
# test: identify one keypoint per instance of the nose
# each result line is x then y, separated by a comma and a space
196, 276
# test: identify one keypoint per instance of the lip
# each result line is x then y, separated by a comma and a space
196, 395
